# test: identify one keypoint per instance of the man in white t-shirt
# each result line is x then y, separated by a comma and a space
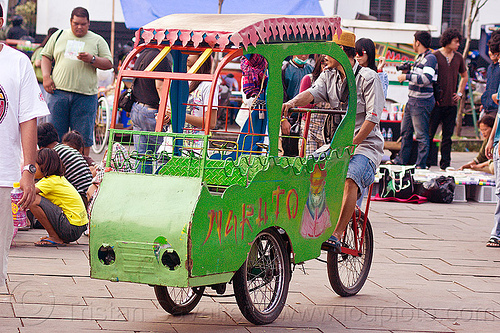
21, 102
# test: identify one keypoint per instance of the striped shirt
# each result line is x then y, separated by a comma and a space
423, 74
77, 170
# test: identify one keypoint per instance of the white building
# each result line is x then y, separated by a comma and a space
56, 13
439, 13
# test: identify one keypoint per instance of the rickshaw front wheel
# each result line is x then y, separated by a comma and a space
261, 284
178, 301
348, 273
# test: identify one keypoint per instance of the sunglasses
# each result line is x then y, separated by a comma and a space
360, 54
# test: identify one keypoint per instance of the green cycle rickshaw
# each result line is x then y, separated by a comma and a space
215, 211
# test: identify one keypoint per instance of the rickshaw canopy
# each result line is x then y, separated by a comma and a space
238, 29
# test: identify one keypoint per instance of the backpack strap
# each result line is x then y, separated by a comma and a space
58, 35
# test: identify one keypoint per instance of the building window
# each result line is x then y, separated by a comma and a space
418, 11
452, 16
383, 10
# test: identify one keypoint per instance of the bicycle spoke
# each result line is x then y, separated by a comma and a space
263, 285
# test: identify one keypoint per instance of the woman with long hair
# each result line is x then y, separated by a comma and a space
365, 55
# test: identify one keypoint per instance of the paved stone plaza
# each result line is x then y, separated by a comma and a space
431, 273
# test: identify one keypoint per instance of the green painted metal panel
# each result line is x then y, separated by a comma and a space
224, 227
141, 217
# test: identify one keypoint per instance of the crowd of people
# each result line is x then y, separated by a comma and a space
59, 90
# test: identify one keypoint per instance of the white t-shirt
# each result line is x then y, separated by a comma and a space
20, 100
199, 101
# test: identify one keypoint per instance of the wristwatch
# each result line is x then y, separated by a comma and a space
93, 59
459, 94
30, 168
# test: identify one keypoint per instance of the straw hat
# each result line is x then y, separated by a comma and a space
347, 38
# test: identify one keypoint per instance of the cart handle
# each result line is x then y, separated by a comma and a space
327, 111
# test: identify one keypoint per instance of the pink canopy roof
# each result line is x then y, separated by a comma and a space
238, 29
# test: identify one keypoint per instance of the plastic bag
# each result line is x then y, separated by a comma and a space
440, 189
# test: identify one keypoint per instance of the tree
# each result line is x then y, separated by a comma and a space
28, 12
472, 7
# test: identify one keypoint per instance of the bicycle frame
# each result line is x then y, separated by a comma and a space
355, 220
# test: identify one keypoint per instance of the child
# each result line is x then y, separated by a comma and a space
58, 206
75, 140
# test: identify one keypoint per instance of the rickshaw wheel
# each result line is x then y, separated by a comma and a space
348, 273
261, 284
101, 126
178, 301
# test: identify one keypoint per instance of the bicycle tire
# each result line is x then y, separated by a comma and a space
267, 266
101, 126
348, 273
178, 301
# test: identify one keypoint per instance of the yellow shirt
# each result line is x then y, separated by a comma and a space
61, 193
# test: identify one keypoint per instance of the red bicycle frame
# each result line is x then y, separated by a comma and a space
358, 240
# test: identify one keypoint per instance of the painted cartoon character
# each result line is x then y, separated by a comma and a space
316, 216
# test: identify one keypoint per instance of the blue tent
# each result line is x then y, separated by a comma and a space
140, 12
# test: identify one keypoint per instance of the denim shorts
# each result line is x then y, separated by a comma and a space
75, 111
65, 230
362, 171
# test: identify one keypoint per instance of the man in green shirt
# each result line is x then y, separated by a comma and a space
72, 85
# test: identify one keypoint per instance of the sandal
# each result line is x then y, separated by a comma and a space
48, 243
493, 242
332, 244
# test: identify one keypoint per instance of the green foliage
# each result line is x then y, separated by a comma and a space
28, 12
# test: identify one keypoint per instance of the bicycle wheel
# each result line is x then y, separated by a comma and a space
261, 284
101, 126
178, 301
348, 273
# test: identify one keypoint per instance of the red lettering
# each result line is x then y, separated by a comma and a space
277, 193
262, 218
290, 215
217, 216
244, 220
235, 227
228, 223
389, 55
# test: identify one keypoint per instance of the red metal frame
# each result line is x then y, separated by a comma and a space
227, 58
356, 252
169, 76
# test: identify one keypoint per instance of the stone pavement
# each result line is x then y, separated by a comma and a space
431, 272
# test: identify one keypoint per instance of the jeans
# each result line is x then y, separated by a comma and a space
362, 171
75, 111
416, 119
143, 118
446, 116
495, 232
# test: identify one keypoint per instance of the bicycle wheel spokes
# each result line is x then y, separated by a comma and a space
261, 284
347, 272
180, 295
101, 125
262, 289
350, 266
